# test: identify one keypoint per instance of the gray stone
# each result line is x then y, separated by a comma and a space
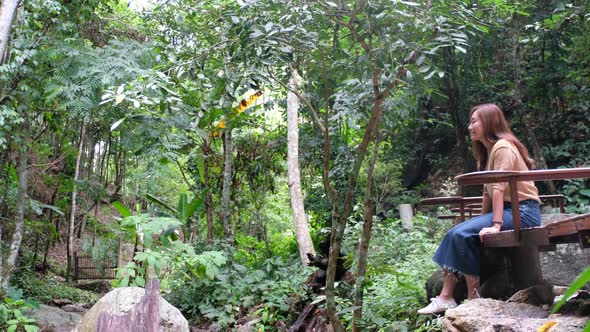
249, 326
51, 318
487, 315
59, 302
536, 295
73, 308
122, 300
577, 305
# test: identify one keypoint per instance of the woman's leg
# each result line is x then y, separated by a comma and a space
449, 283
459, 251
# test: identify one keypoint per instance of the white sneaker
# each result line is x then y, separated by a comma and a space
437, 305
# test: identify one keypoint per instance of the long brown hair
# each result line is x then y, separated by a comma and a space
495, 128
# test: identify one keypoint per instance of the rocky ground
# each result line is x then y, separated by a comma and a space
487, 315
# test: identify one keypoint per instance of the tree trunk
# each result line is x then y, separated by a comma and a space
72, 223
103, 178
3, 207
50, 235
302, 236
227, 177
7, 12
517, 103
208, 203
369, 209
22, 197
340, 218
91, 159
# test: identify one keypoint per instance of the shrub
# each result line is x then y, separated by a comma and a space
237, 290
11, 312
400, 262
44, 288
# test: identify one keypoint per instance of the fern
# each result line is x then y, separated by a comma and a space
81, 73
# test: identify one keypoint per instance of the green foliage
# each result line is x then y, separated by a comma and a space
11, 315
155, 103
146, 227
44, 288
237, 289
165, 255
185, 210
409, 197
400, 262
578, 283
249, 251
572, 153
101, 251
577, 193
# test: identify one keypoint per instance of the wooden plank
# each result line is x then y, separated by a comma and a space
563, 231
551, 197
568, 226
442, 200
515, 208
583, 222
561, 228
534, 236
476, 201
448, 216
536, 175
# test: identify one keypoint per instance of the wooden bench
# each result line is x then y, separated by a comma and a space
524, 244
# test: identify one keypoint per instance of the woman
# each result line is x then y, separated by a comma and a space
495, 148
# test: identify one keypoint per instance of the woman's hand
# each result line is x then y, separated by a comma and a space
487, 230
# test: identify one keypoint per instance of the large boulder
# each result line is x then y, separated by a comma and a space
121, 301
487, 315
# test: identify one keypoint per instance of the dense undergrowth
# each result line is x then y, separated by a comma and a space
400, 262
273, 288
43, 288
266, 280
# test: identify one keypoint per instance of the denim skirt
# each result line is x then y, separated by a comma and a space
459, 251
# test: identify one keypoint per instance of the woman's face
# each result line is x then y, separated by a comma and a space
475, 128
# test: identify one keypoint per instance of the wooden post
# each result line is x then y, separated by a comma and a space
76, 265
561, 206
525, 266
515, 208
406, 213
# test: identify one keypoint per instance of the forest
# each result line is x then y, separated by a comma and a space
230, 147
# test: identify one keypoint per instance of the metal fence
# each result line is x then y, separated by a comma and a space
84, 268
